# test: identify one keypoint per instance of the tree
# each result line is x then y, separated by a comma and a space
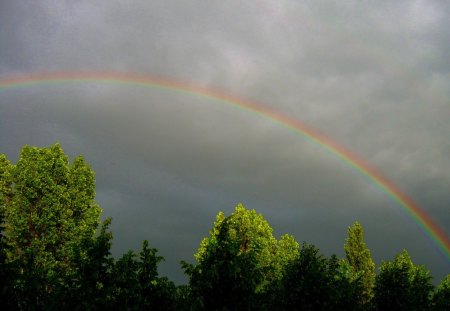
238, 262
361, 262
50, 213
441, 297
91, 289
125, 287
287, 252
185, 300
157, 293
401, 285
313, 282
136, 285
5, 195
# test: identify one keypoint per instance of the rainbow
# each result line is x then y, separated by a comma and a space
429, 227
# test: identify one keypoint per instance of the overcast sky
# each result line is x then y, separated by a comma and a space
374, 76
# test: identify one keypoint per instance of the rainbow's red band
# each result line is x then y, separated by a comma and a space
427, 225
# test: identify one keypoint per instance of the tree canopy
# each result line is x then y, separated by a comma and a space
361, 263
55, 255
49, 214
401, 285
239, 261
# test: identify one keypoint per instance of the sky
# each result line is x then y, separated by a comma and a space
372, 76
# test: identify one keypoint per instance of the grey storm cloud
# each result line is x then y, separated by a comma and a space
372, 76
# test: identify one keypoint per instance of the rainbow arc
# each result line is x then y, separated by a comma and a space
427, 225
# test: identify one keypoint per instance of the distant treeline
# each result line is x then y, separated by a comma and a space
55, 255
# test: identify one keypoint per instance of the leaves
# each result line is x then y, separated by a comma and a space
53, 258
313, 282
401, 285
50, 215
441, 297
136, 285
239, 261
361, 262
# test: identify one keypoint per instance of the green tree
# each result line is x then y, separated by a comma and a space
157, 293
344, 289
185, 300
401, 285
361, 262
125, 283
313, 282
5, 196
91, 289
50, 213
441, 297
136, 285
287, 252
238, 262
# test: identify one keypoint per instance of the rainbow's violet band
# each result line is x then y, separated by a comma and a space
426, 224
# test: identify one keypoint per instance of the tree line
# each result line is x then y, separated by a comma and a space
55, 255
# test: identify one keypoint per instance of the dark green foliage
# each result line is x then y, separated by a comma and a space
125, 284
225, 279
4, 275
91, 290
53, 256
313, 282
185, 300
238, 262
5, 269
441, 297
136, 285
361, 263
401, 285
